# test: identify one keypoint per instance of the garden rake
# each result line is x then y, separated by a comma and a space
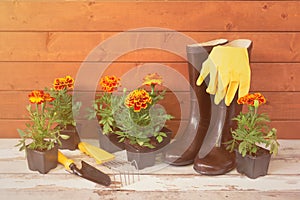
124, 172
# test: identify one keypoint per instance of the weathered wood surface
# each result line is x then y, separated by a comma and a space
284, 76
178, 15
42, 40
75, 46
282, 182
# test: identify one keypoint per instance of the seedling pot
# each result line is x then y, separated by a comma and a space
42, 161
253, 166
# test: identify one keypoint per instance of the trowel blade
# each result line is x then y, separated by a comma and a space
91, 173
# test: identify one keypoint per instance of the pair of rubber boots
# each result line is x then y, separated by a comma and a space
209, 123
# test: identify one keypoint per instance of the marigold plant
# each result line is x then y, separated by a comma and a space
102, 106
133, 116
253, 128
63, 105
142, 118
40, 131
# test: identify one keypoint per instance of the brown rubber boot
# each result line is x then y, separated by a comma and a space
184, 149
219, 160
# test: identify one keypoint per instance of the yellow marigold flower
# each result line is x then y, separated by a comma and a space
250, 98
138, 99
63, 83
58, 83
38, 97
69, 82
109, 83
153, 79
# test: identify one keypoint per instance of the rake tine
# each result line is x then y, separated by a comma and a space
128, 177
126, 170
121, 179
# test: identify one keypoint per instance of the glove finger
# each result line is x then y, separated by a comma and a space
221, 88
213, 75
212, 86
220, 94
203, 73
233, 86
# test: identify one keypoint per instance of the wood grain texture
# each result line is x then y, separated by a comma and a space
168, 182
285, 76
193, 16
51, 193
42, 40
76, 46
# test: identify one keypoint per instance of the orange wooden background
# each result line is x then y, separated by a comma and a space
40, 41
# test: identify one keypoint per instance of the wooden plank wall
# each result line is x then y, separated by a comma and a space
42, 40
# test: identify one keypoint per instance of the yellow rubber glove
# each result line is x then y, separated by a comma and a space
229, 71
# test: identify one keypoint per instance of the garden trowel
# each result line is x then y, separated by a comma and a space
87, 171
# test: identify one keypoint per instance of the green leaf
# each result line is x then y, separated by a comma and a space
149, 145
140, 142
122, 139
162, 134
244, 152
159, 139
21, 133
65, 137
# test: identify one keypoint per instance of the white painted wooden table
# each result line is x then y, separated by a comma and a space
167, 182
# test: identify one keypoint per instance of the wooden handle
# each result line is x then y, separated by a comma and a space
64, 160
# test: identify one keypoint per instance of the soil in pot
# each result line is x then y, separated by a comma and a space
42, 160
110, 142
72, 142
253, 166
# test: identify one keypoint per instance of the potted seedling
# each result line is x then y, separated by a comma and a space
253, 140
41, 137
65, 110
135, 118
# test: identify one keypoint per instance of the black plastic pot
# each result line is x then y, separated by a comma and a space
72, 142
145, 156
253, 166
42, 161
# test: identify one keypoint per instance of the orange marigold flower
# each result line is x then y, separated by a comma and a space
153, 79
250, 98
38, 97
48, 98
110, 83
138, 99
63, 83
